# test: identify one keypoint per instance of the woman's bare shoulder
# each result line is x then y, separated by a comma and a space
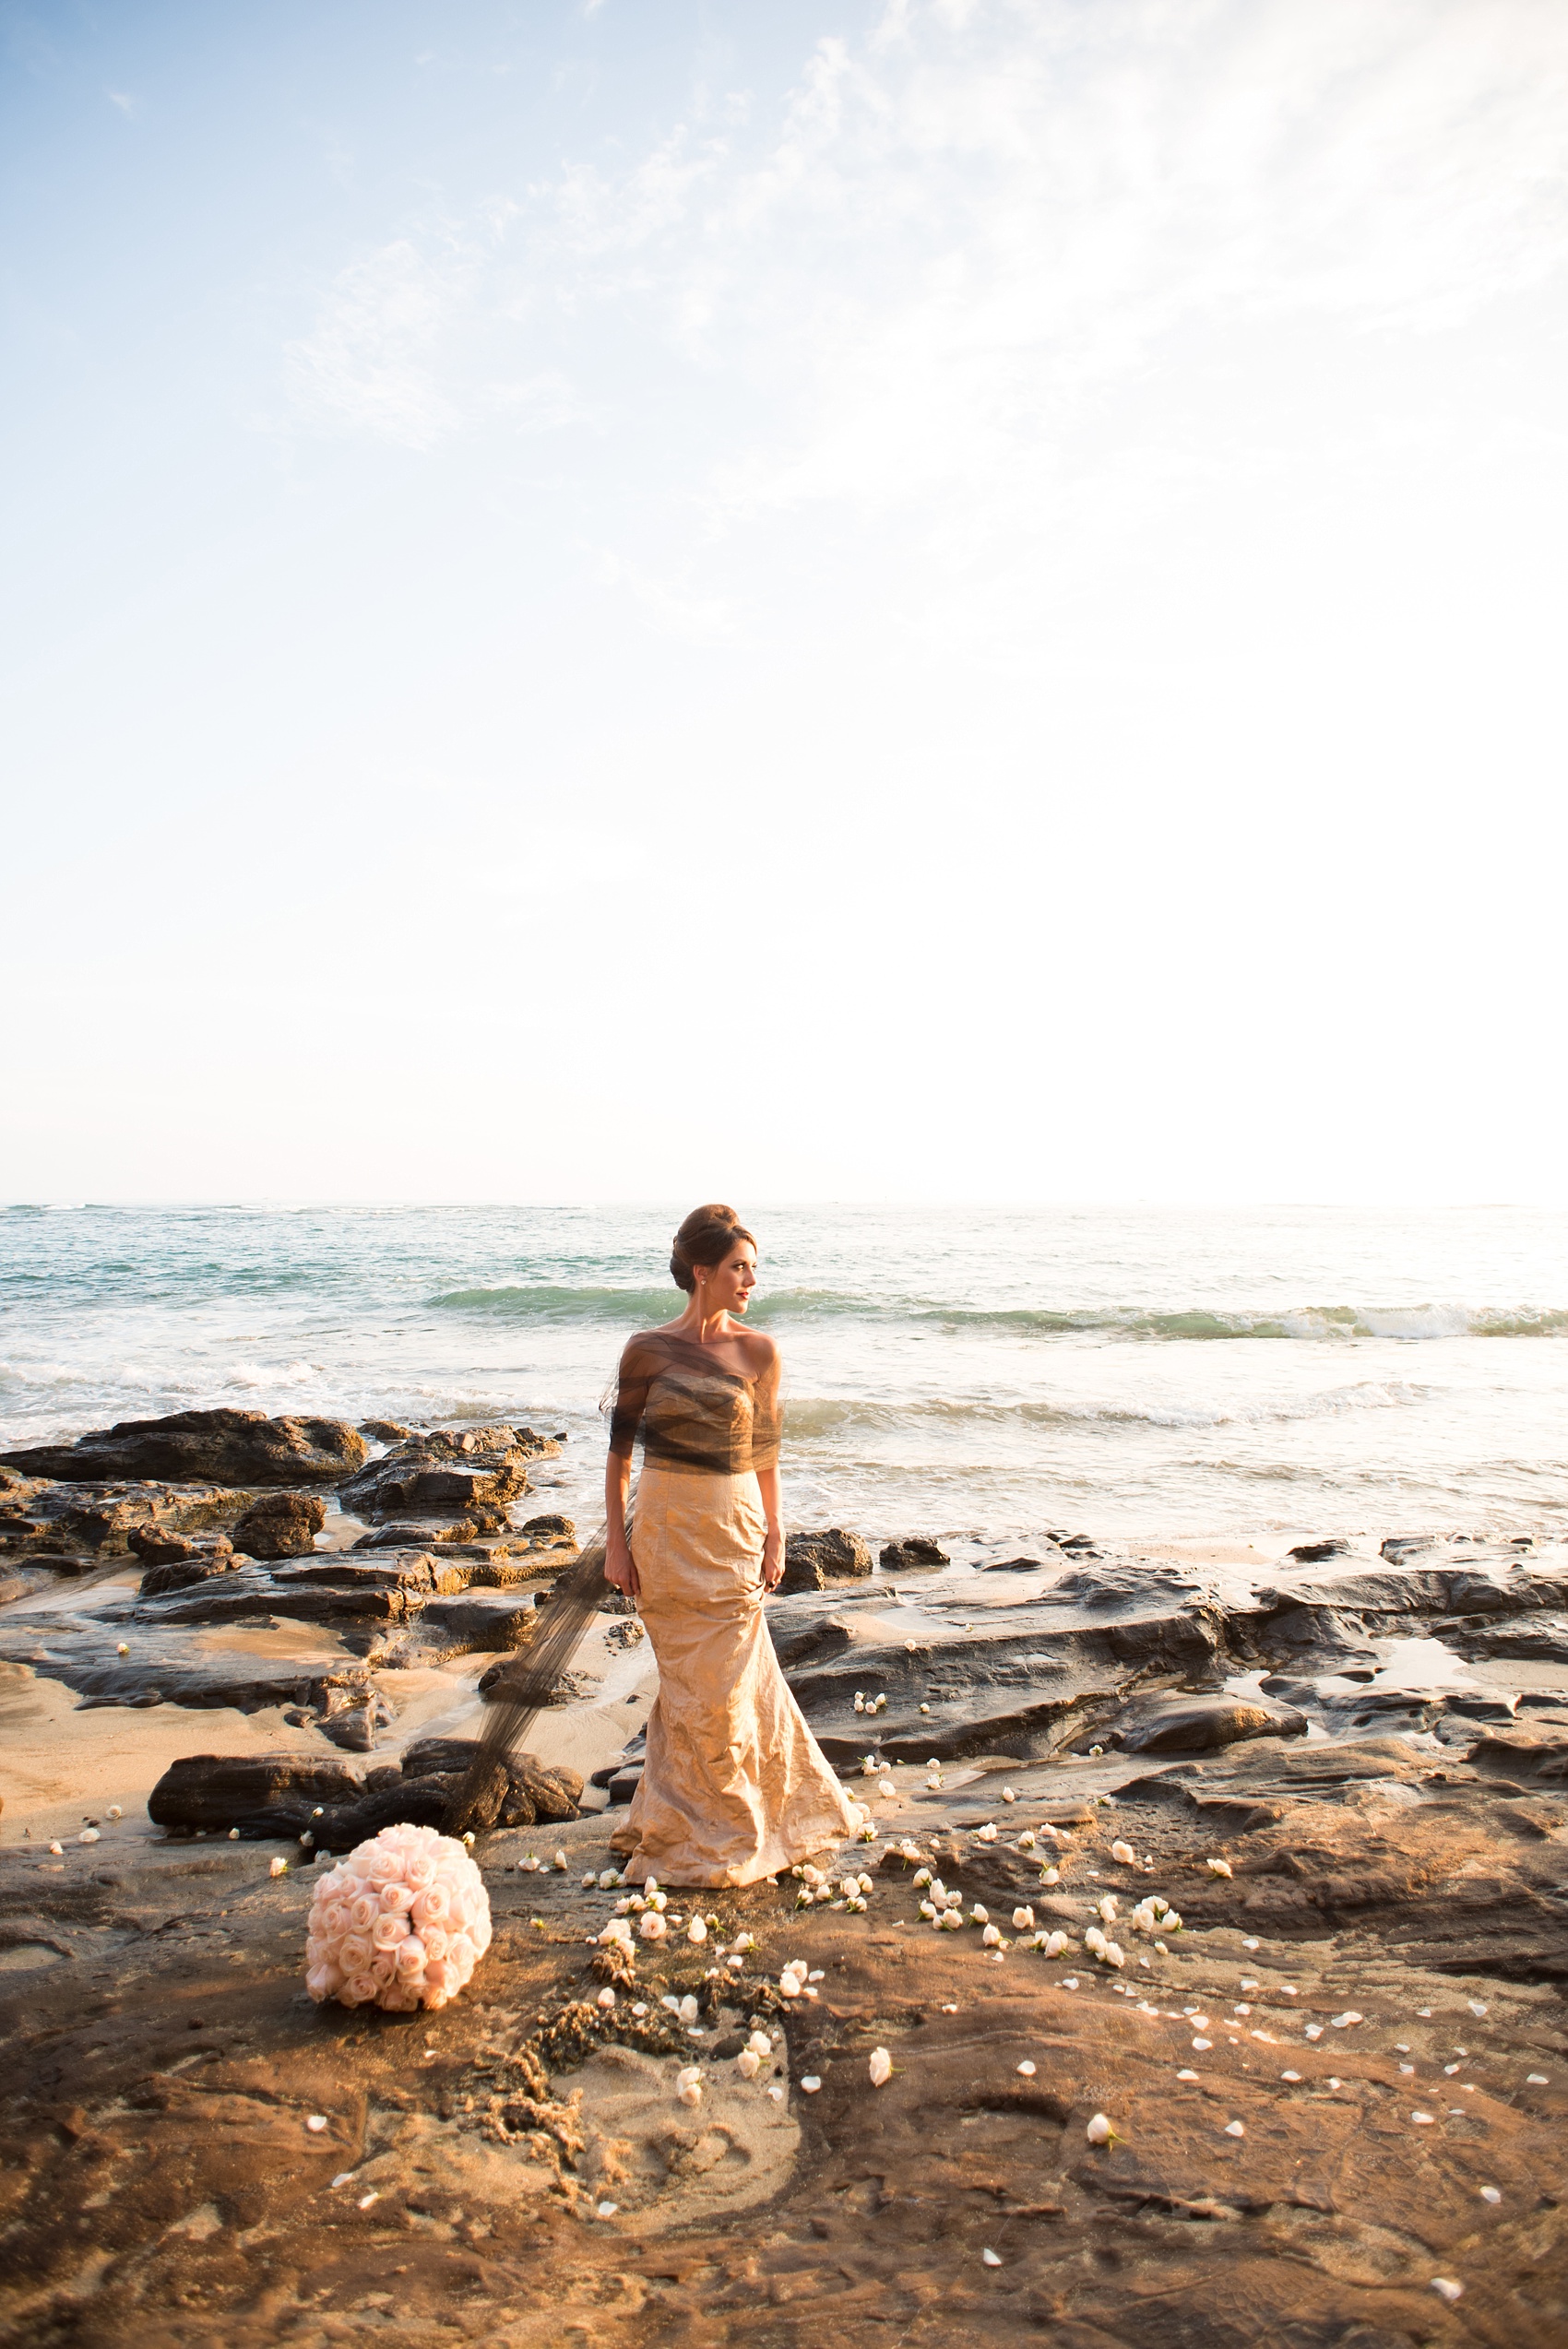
760, 1350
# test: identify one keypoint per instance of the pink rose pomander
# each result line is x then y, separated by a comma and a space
401, 1923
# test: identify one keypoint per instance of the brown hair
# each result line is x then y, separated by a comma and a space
705, 1238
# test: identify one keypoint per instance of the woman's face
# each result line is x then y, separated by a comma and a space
727, 1287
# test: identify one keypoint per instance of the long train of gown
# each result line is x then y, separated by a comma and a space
734, 1786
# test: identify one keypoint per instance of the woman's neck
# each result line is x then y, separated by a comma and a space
704, 1328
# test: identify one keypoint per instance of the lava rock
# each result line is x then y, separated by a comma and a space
230, 1447
812, 1560
916, 1556
281, 1525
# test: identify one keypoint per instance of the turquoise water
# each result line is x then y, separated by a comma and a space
955, 1372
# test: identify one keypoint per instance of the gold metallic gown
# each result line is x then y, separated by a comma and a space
734, 1786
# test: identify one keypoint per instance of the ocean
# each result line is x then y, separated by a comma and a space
979, 1375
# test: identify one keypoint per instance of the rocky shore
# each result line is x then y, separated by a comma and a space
1334, 2096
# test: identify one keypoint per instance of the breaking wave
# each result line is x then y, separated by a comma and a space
811, 1415
1330, 1324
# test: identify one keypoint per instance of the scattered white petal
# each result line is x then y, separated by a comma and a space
1536, 2080
1290, 2075
608, 2210
1235, 2128
1490, 2194
1446, 2289
316, 2123
345, 2178
1475, 2006
1202, 2046
1099, 2132
1218, 1867
881, 2067
1186, 2075
1422, 2120
991, 2258
1027, 2068
278, 1866
366, 2200
811, 2084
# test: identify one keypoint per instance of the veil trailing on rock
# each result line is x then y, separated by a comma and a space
560, 1621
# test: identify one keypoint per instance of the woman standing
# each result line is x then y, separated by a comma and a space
734, 1786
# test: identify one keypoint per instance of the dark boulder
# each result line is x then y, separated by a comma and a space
452, 1472
388, 1431
916, 1556
1313, 1553
230, 1447
281, 1525
812, 1560
337, 1806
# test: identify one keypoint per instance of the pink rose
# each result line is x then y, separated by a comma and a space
354, 1951
432, 1906
396, 1899
419, 1870
410, 1954
436, 1940
388, 1931
363, 1912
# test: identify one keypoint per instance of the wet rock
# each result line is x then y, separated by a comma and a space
551, 1529
812, 1560
215, 1791
419, 1533
226, 1447
281, 1525
388, 1431
1522, 1758
918, 1555
338, 1806
1313, 1553
1201, 1723
39, 1518
452, 1472
185, 1570
1014, 1566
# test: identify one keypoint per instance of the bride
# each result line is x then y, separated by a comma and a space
734, 1786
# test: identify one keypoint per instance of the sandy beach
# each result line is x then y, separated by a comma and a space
1331, 2062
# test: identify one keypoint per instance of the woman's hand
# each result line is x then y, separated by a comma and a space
621, 1568
773, 1558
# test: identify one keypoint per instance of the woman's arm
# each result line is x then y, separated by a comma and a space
620, 1566
631, 1398
773, 1548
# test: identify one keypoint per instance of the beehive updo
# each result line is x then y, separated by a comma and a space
705, 1238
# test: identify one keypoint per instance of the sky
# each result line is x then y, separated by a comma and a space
805, 599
